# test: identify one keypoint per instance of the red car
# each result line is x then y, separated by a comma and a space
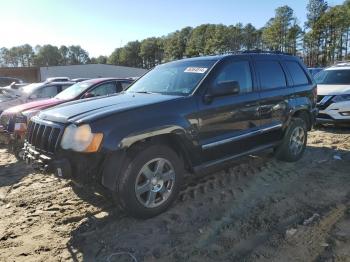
13, 121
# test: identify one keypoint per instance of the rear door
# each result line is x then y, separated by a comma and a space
228, 124
276, 95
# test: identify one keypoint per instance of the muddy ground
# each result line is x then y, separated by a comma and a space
258, 210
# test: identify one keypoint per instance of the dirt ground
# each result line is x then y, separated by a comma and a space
258, 210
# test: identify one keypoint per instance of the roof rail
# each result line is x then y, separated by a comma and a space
259, 51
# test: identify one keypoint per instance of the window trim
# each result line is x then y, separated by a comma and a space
283, 70
291, 76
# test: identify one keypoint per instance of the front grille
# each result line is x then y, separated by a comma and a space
324, 101
319, 98
44, 136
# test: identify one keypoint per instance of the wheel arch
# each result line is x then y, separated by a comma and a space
118, 160
305, 115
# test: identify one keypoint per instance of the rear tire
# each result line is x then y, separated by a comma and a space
150, 183
294, 142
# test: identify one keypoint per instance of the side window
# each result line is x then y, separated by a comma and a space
237, 71
104, 89
47, 91
271, 74
65, 86
298, 74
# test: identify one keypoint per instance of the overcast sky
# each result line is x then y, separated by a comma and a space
102, 25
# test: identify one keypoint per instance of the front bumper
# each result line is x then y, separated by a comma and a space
36, 159
335, 113
82, 168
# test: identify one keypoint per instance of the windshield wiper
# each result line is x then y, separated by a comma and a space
144, 92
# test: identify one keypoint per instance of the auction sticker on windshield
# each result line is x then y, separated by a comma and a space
198, 70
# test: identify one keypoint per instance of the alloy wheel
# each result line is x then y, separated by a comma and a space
297, 140
155, 182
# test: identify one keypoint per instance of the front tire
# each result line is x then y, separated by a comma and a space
151, 182
294, 141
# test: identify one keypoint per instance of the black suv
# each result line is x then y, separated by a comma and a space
181, 117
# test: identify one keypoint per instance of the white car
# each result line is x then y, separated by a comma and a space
333, 94
13, 97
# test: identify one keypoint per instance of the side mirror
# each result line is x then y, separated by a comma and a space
223, 88
89, 95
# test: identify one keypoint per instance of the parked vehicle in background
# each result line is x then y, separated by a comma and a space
13, 121
333, 100
192, 114
31, 92
57, 79
314, 70
6, 81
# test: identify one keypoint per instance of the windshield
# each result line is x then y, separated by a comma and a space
74, 90
333, 77
28, 89
176, 78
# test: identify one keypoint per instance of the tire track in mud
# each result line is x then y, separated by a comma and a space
230, 212
208, 208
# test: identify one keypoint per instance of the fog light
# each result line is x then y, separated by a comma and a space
345, 113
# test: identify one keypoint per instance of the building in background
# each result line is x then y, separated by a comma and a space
38, 74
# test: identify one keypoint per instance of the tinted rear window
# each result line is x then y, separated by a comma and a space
298, 75
271, 74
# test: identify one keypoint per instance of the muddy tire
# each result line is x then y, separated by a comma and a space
150, 182
294, 142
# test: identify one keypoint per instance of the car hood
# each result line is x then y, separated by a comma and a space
40, 104
326, 90
86, 110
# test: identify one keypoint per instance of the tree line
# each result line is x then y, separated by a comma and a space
321, 41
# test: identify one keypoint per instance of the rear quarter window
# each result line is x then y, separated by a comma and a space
271, 74
298, 75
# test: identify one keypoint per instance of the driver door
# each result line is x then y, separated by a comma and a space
227, 124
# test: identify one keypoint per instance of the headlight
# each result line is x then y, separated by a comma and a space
341, 98
81, 139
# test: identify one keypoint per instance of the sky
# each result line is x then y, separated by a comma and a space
100, 26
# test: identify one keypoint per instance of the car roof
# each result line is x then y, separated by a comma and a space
100, 80
246, 53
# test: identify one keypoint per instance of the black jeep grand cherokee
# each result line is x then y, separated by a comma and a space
188, 115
